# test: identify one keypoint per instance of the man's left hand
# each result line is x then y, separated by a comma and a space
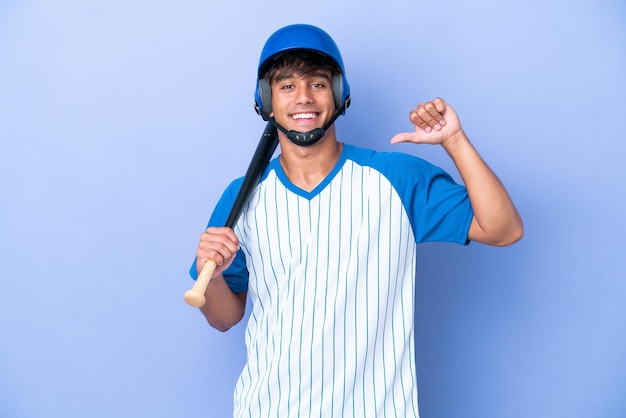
435, 123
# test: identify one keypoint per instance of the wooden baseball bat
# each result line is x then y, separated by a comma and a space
264, 151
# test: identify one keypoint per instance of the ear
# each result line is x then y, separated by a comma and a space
265, 95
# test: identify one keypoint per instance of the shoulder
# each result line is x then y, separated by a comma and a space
396, 166
231, 191
229, 196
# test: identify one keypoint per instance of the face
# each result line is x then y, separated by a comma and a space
302, 103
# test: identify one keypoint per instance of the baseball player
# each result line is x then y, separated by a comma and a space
325, 248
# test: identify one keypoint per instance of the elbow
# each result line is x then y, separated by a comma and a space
514, 234
219, 326
502, 235
519, 234
223, 317
220, 322
517, 231
510, 240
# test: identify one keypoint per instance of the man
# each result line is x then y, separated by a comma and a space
325, 248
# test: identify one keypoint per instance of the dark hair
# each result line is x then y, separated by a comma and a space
302, 62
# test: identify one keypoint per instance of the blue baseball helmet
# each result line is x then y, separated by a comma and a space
294, 37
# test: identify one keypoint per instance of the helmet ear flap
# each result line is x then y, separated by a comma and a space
264, 96
340, 87
337, 83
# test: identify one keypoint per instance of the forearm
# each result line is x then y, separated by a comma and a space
223, 308
496, 220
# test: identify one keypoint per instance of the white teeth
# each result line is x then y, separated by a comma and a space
304, 116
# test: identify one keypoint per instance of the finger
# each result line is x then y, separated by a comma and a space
220, 230
224, 247
422, 119
440, 105
417, 118
222, 234
205, 254
402, 137
433, 117
217, 247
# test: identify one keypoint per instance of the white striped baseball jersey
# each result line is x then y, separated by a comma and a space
331, 275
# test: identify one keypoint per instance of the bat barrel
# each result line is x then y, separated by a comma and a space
262, 154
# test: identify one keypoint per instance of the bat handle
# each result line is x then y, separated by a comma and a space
195, 295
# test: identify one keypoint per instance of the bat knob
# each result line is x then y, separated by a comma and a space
194, 298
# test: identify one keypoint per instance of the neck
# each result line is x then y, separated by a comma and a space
308, 166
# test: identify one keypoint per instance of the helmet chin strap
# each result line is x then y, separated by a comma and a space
304, 139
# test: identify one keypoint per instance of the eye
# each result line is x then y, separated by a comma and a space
318, 85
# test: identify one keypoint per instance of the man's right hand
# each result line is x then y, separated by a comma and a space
219, 244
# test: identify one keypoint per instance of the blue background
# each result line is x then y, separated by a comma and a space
121, 123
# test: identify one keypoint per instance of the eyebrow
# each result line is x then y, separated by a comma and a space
281, 77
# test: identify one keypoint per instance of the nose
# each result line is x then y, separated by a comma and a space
303, 94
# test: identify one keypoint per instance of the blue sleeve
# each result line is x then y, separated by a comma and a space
438, 208
441, 211
236, 275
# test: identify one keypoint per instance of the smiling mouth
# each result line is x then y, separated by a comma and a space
306, 115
